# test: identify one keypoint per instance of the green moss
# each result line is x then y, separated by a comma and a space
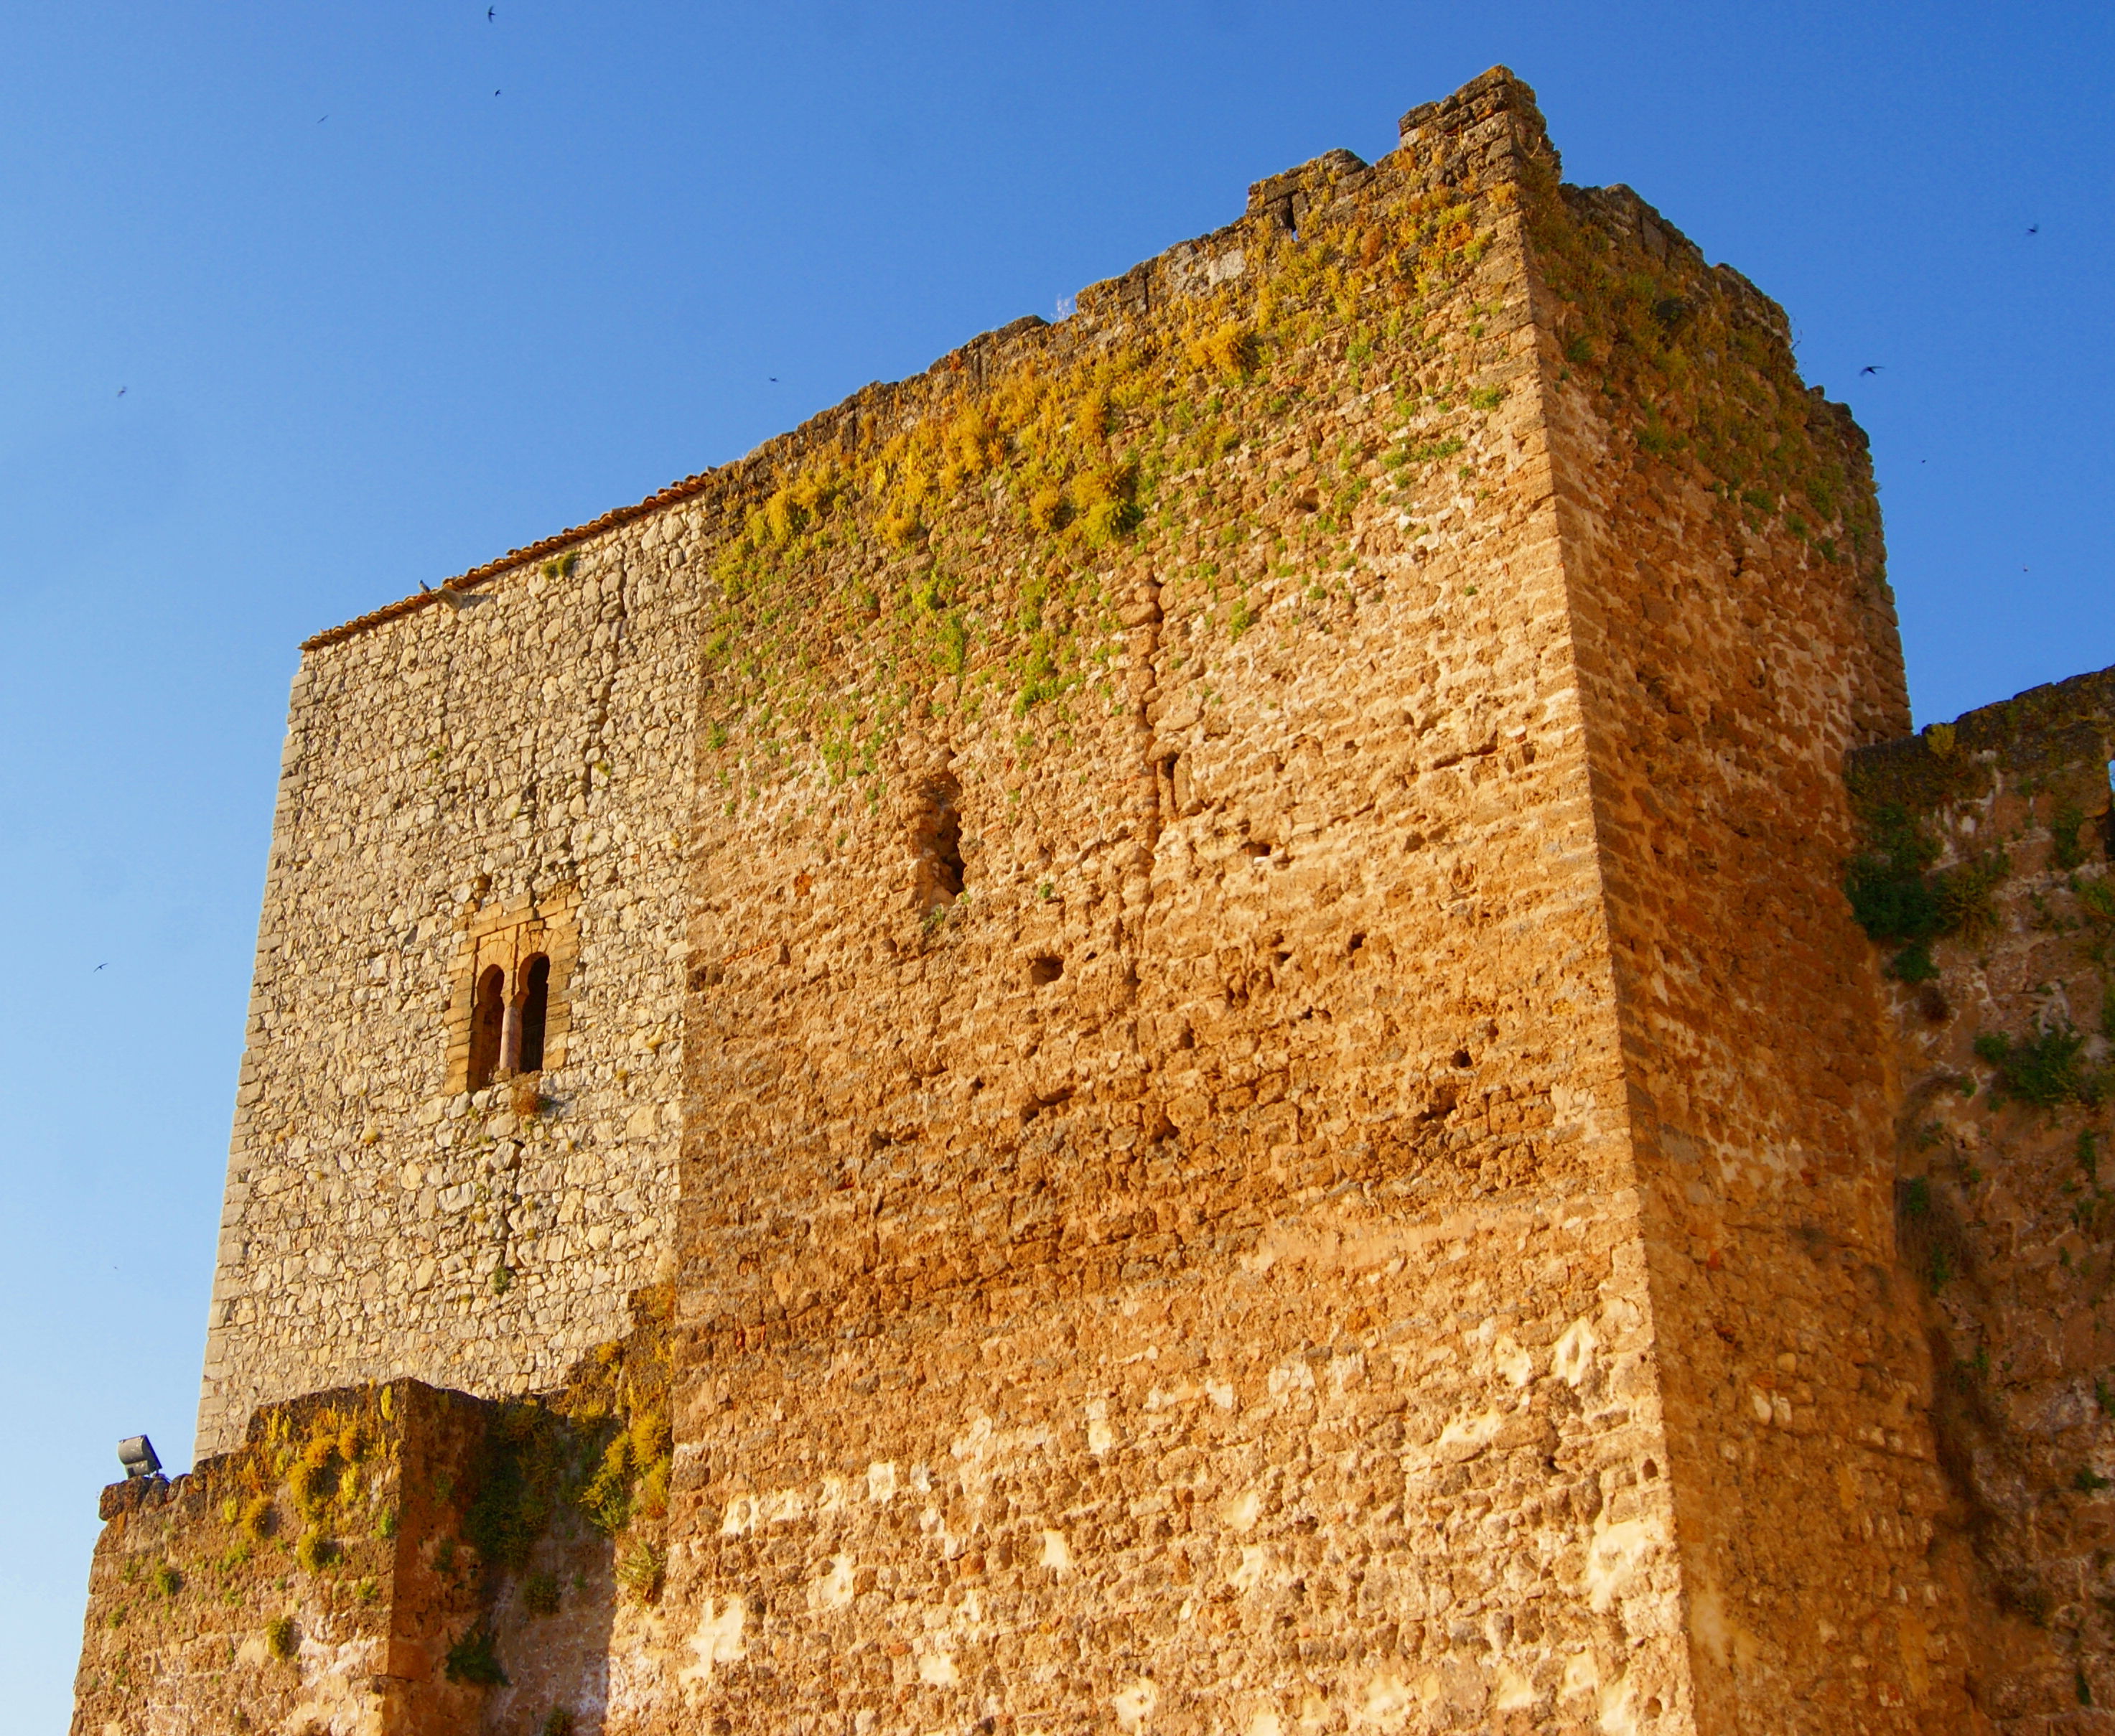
641, 1570
1066, 455
1682, 359
539, 1594
2045, 1070
472, 1659
1895, 897
521, 1471
2067, 851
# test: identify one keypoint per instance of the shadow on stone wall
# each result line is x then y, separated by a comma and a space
1986, 882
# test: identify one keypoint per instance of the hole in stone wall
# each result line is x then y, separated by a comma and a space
1045, 967
1355, 942
535, 1011
1050, 1100
947, 849
1255, 849
937, 838
1461, 1059
488, 1014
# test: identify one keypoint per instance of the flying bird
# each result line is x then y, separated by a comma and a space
1874, 369
491, 13
773, 378
104, 966
123, 390
2034, 228
456, 600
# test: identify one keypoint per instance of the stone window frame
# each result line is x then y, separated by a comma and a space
506, 936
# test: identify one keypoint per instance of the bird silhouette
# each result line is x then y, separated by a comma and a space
773, 378
456, 600
104, 966
2034, 228
491, 13
123, 390
1874, 369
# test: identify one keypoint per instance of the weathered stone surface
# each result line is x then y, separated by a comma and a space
1209, 946
2002, 1023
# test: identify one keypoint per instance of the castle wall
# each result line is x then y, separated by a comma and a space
1736, 638
303, 1581
1191, 1280
460, 787
1237, 904
2001, 1020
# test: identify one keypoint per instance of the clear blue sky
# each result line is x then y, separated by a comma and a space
391, 288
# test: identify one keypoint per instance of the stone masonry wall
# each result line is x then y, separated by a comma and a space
1737, 637
1187, 1279
520, 755
1236, 902
394, 1560
1999, 1004
303, 1582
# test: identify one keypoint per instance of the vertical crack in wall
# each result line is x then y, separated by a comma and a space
1152, 801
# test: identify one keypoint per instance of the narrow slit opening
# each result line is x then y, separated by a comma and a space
937, 840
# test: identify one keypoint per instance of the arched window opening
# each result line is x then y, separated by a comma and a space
535, 975
487, 1019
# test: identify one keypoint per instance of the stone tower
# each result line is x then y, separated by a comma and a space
1157, 1032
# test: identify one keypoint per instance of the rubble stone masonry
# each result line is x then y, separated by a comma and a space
1217, 1049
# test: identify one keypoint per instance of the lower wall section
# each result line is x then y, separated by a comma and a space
1407, 1477
392, 1560
292, 1585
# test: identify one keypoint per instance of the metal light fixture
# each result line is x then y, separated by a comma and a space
137, 1456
